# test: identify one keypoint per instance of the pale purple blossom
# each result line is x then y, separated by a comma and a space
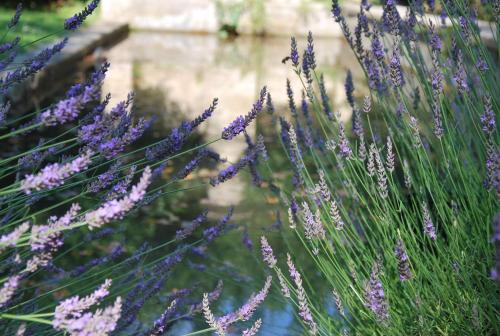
304, 310
10, 239
8, 289
71, 315
375, 296
253, 330
53, 175
429, 228
117, 208
267, 252
313, 227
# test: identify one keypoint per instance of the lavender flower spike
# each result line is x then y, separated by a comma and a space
267, 252
304, 310
375, 296
70, 315
429, 228
10, 239
54, 174
253, 330
76, 20
240, 123
403, 261
116, 209
15, 18
210, 318
8, 289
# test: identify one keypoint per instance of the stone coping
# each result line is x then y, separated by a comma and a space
79, 54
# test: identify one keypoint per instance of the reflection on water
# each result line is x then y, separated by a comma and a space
176, 76
190, 70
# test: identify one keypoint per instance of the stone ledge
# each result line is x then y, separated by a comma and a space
78, 55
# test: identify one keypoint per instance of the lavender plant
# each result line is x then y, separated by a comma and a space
401, 233
66, 191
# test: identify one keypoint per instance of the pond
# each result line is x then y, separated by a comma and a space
176, 76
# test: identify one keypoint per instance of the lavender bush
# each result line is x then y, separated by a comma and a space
394, 213
67, 176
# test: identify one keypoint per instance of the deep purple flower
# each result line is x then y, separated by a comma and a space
374, 76
349, 88
192, 226
31, 65
114, 254
15, 18
241, 123
311, 58
269, 104
105, 179
431, 4
482, 65
294, 54
247, 240
4, 47
375, 296
112, 147
53, 175
403, 261
77, 20
172, 144
291, 101
205, 115
325, 100
396, 72
231, 171
377, 47
214, 231
495, 271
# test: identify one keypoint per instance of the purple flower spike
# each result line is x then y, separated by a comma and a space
495, 271
72, 315
54, 174
10, 239
267, 252
8, 289
241, 123
429, 228
76, 20
294, 54
349, 88
375, 296
15, 18
488, 118
117, 208
304, 310
403, 261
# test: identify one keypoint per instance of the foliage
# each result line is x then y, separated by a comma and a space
397, 215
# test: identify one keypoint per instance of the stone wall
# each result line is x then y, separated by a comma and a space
278, 17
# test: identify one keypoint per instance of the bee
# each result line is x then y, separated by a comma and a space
286, 59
